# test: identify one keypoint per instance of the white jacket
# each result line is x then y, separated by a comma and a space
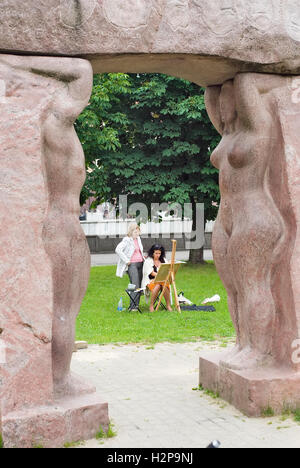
147, 270
125, 251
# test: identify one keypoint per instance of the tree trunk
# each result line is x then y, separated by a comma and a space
196, 255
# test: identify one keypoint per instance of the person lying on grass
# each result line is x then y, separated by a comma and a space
156, 256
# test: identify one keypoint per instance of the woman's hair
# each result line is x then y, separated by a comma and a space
132, 227
157, 247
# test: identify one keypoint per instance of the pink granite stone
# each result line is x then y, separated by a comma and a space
251, 391
209, 41
255, 240
45, 260
65, 421
44, 256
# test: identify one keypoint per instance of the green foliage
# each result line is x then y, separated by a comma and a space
296, 414
149, 137
100, 434
73, 444
212, 394
110, 431
199, 388
100, 128
267, 412
98, 125
106, 435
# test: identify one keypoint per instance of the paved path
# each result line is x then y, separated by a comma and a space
111, 259
152, 403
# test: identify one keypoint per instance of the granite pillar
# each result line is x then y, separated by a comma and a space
45, 260
256, 240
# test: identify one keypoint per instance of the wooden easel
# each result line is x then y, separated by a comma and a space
171, 279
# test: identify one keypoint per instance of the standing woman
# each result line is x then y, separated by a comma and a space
156, 256
131, 260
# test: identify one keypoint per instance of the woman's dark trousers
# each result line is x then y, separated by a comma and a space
135, 272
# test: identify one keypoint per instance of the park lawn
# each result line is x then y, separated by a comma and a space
99, 322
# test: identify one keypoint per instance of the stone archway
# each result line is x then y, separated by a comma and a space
49, 52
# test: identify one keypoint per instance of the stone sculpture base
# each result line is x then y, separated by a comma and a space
251, 391
67, 420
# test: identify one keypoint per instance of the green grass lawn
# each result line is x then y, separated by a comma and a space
99, 322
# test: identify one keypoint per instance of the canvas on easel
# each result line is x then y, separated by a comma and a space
163, 272
166, 274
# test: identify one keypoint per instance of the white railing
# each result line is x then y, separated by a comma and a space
94, 226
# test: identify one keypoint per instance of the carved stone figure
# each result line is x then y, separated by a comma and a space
44, 265
44, 252
127, 13
256, 242
292, 18
261, 14
64, 241
75, 13
221, 16
177, 14
251, 234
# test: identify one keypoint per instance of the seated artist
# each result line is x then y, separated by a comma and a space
156, 256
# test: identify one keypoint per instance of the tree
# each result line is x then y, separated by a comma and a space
156, 142
99, 128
